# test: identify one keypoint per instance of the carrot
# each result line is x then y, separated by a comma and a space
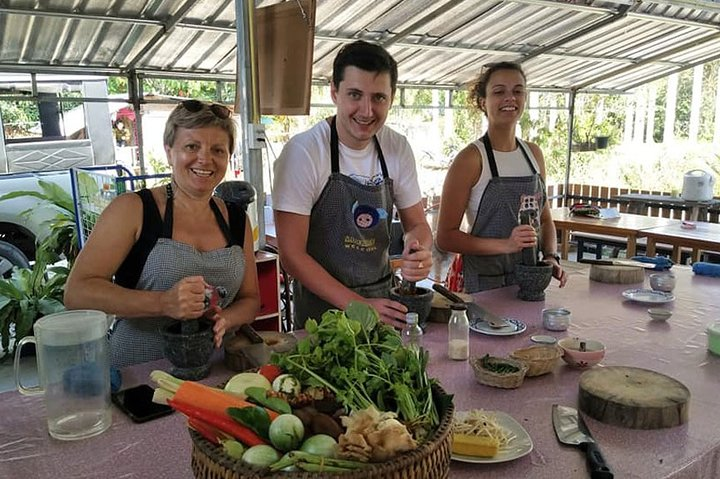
212, 434
197, 394
221, 421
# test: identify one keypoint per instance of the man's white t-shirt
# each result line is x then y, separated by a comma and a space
303, 168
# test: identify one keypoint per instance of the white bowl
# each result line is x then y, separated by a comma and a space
659, 314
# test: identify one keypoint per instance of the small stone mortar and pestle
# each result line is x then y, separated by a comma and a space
532, 276
417, 300
188, 345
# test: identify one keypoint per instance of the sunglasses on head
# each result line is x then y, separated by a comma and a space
195, 106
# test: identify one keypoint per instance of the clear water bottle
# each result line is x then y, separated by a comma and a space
458, 333
412, 333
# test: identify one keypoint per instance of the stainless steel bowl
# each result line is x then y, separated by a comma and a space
556, 319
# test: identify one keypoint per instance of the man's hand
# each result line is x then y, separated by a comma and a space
391, 312
417, 262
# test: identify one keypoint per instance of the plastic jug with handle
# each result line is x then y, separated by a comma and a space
73, 372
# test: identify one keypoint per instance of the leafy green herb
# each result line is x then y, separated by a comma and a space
253, 417
363, 362
497, 366
258, 395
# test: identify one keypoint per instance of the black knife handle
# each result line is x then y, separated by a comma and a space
447, 293
250, 333
596, 462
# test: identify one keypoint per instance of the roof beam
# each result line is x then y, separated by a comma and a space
612, 18
678, 70
678, 49
156, 39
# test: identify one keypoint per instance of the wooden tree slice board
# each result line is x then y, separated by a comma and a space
634, 398
617, 274
440, 310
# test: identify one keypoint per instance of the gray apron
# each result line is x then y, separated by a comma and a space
137, 340
504, 201
349, 236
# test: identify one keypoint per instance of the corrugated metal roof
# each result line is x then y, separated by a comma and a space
588, 45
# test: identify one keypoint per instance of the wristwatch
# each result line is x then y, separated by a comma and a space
552, 255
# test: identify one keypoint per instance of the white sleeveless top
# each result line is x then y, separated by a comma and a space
509, 163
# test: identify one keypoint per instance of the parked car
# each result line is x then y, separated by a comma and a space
19, 232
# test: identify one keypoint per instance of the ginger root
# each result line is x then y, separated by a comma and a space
374, 436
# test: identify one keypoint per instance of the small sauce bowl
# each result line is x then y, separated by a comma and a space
664, 282
556, 319
659, 314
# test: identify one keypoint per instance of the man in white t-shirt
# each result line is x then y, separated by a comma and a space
334, 191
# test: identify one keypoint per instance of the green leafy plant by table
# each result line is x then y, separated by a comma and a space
28, 295
63, 236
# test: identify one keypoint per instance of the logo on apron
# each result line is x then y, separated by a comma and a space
366, 216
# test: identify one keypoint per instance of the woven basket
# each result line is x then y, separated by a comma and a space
491, 378
539, 359
431, 460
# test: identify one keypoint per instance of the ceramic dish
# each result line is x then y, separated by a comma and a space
659, 314
519, 446
515, 326
648, 296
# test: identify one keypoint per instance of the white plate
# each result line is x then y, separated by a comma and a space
518, 447
515, 326
648, 296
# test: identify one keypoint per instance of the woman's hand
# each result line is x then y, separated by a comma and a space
417, 262
221, 324
558, 272
185, 300
522, 236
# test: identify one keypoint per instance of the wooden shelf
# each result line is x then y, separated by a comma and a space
268, 269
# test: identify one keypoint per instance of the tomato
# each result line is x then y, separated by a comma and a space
270, 371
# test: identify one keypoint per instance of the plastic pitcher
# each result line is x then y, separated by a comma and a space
73, 372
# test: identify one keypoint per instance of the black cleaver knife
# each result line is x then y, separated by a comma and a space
475, 311
571, 429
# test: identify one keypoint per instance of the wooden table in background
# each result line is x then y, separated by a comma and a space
706, 237
639, 203
628, 226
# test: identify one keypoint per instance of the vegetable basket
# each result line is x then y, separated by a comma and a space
504, 380
539, 359
431, 460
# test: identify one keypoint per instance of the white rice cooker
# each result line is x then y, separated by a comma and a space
698, 186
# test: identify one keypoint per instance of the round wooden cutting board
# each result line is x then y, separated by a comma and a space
617, 274
634, 398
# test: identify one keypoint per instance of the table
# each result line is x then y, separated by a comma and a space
161, 448
628, 226
639, 203
705, 237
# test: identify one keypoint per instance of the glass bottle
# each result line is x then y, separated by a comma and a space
458, 333
412, 333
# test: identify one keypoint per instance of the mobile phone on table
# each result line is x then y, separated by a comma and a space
137, 403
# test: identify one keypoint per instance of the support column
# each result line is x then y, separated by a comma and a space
247, 107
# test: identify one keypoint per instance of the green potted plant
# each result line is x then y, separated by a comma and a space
27, 295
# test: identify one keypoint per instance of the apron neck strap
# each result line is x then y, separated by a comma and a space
491, 155
335, 150
168, 220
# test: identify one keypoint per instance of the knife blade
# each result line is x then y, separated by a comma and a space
570, 429
475, 311
617, 262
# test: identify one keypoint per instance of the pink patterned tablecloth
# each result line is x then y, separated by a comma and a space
161, 448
